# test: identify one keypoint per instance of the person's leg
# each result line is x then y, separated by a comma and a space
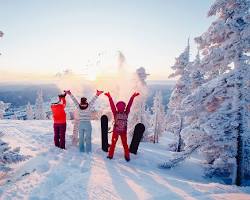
81, 137
125, 146
75, 132
88, 137
113, 143
56, 135
62, 135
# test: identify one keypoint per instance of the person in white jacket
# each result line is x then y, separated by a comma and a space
85, 128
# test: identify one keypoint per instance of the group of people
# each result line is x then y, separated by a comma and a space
120, 114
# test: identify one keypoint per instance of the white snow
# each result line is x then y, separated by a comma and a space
53, 173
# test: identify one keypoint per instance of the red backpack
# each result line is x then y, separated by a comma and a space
121, 121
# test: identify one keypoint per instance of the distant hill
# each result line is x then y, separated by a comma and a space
19, 95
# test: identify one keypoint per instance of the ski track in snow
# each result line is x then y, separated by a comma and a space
52, 173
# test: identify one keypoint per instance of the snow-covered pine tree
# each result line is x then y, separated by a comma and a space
8, 156
181, 90
196, 80
227, 39
226, 42
220, 108
3, 107
29, 111
14, 116
39, 111
196, 76
140, 115
216, 127
158, 117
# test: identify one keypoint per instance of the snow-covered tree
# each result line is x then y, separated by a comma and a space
159, 116
227, 39
219, 109
3, 107
214, 129
39, 111
140, 114
196, 76
227, 42
14, 116
29, 111
8, 156
182, 89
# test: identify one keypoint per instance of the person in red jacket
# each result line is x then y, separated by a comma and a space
120, 113
59, 117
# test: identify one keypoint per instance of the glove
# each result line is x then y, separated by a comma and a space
98, 93
136, 94
67, 92
107, 94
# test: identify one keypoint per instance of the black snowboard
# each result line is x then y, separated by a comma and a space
104, 128
137, 136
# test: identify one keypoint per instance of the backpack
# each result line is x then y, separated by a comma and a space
121, 120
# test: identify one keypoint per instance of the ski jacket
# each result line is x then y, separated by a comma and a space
124, 116
84, 115
58, 112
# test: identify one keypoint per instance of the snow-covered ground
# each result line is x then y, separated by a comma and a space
52, 173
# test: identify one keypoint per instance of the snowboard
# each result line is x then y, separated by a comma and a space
104, 133
136, 139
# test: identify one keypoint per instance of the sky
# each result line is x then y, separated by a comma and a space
43, 37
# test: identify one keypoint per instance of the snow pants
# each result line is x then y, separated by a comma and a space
115, 137
59, 135
85, 131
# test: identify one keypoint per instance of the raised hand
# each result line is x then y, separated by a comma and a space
107, 94
98, 93
67, 92
136, 94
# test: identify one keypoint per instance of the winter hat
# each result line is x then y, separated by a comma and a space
120, 106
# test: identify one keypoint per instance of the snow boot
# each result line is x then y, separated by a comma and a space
127, 158
109, 157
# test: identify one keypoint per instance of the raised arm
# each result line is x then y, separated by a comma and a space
111, 102
131, 102
92, 101
73, 98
